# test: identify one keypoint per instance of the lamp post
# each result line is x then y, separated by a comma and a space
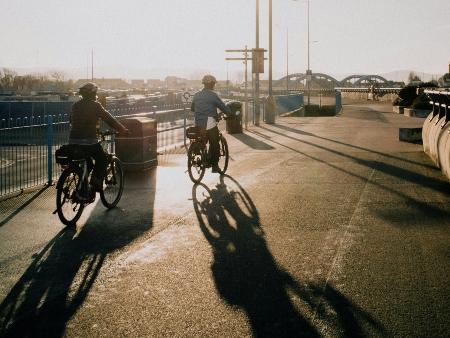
270, 100
256, 92
308, 71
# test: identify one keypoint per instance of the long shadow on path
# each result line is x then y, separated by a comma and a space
247, 276
59, 279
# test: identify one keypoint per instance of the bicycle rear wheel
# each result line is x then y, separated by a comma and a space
113, 187
68, 205
223, 155
195, 168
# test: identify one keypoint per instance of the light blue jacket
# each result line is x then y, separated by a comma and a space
205, 104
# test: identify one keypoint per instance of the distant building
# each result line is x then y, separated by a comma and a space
175, 82
105, 83
51, 88
138, 83
23, 90
154, 83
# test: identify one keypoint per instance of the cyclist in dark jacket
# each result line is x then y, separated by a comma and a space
204, 105
84, 120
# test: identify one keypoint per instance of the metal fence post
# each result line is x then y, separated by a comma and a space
338, 103
185, 118
49, 149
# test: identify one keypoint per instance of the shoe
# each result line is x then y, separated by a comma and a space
96, 184
215, 169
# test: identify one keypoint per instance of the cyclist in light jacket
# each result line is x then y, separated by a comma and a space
204, 105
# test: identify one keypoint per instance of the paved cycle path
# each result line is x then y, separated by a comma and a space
322, 227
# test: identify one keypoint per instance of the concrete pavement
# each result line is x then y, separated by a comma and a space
322, 227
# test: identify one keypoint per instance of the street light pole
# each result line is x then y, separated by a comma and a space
287, 59
270, 101
308, 36
308, 71
256, 92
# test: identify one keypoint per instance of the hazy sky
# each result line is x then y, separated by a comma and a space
181, 36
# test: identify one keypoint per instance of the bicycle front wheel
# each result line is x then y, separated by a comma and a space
68, 205
195, 168
223, 155
113, 187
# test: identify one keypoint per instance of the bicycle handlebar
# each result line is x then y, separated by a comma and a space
107, 132
103, 134
222, 116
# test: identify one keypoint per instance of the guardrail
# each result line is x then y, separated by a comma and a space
367, 90
435, 135
382, 94
440, 100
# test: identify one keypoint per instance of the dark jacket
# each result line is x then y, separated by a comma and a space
84, 118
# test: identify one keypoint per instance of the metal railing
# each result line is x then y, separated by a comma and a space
378, 90
27, 145
440, 100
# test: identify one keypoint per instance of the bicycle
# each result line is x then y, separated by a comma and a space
199, 154
72, 190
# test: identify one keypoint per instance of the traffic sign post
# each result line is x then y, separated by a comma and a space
187, 97
258, 60
257, 68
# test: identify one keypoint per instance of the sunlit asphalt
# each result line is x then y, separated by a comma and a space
321, 227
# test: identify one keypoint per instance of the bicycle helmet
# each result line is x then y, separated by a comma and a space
209, 79
88, 89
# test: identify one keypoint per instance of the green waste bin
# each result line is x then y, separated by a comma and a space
234, 123
138, 151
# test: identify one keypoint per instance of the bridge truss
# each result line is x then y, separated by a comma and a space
320, 81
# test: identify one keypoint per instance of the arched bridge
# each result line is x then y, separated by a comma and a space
324, 81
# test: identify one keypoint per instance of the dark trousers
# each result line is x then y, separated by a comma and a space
98, 155
213, 138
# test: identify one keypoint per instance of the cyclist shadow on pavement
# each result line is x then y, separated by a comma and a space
246, 273
61, 275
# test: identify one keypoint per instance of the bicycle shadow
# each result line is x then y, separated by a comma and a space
247, 275
244, 270
62, 274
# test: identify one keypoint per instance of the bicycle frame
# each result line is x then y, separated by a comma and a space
86, 165
73, 190
199, 156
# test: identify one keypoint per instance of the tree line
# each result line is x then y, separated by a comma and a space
11, 80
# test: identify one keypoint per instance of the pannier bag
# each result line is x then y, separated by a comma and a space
192, 132
62, 154
69, 152
195, 132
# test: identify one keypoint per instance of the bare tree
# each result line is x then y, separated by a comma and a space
413, 77
58, 76
239, 77
7, 78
